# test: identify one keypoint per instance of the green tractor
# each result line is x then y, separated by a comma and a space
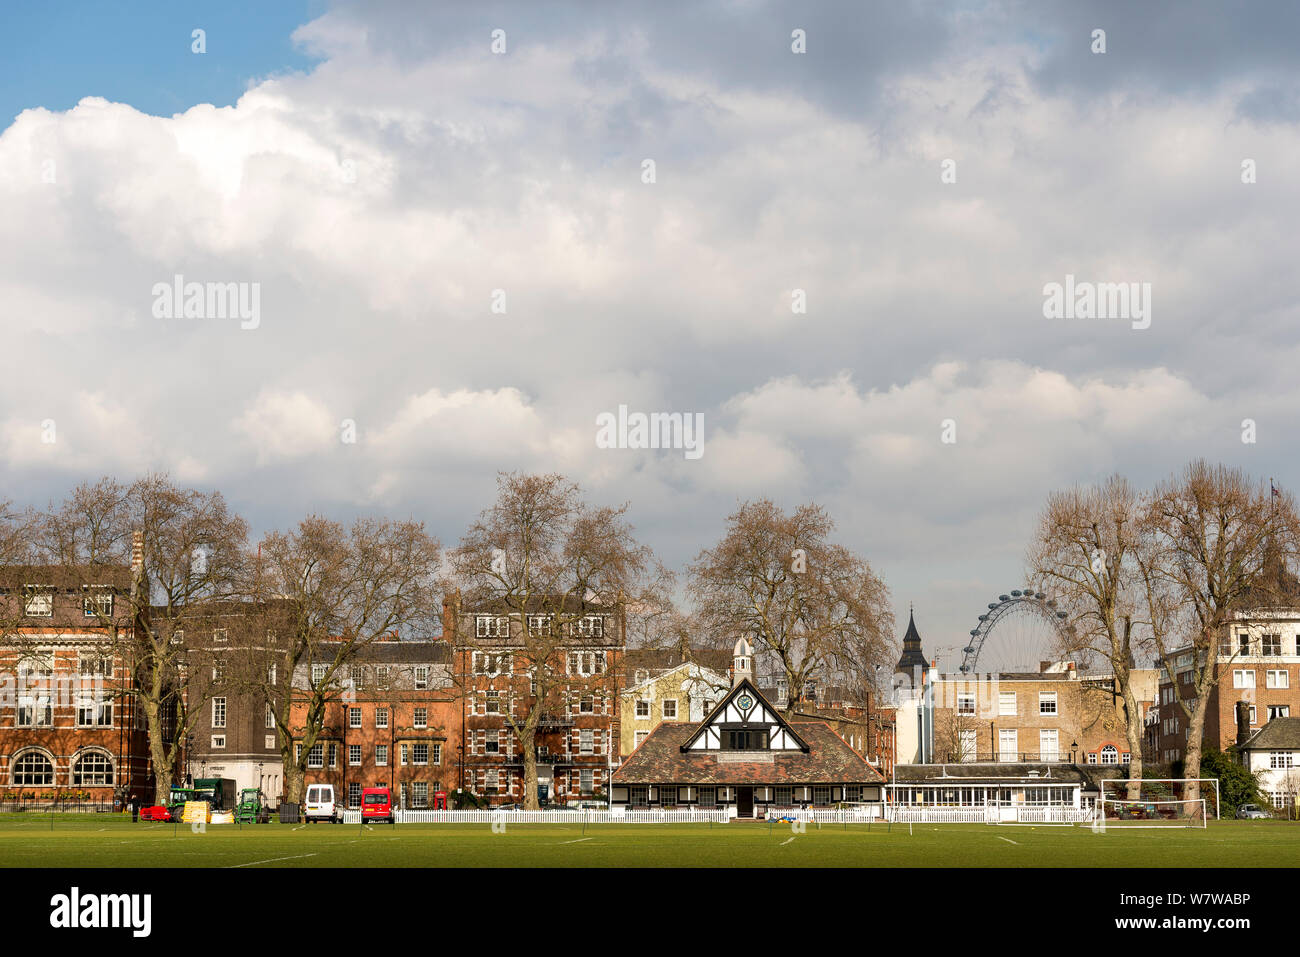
176, 803
249, 809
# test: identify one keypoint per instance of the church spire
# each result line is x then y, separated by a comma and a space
912, 656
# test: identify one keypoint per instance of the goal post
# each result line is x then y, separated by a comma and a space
1159, 802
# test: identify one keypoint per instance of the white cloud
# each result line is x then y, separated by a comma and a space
380, 198
287, 425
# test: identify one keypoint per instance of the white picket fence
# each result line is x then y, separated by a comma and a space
628, 816
849, 814
908, 814
1043, 814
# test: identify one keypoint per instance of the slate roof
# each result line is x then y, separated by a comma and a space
659, 661
1280, 734
660, 760
65, 576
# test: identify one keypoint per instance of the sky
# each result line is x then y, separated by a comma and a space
459, 259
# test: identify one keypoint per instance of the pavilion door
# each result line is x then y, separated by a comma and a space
745, 802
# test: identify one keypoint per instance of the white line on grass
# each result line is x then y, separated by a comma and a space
1008, 840
576, 840
272, 860
787, 841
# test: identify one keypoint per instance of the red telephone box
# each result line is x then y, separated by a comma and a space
440, 800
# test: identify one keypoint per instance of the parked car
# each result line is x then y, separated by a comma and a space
320, 804
377, 805
1251, 812
157, 812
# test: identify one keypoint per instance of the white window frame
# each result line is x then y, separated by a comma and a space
381, 755
1046, 698
1045, 753
1277, 678
420, 718
1011, 736
1003, 710
492, 626
219, 712
97, 595
644, 708
30, 595
663, 709
1243, 678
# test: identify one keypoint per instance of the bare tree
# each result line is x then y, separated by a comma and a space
545, 560
92, 526
1084, 553
817, 608
16, 536
325, 594
1215, 545
192, 552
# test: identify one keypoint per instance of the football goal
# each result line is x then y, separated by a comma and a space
1157, 802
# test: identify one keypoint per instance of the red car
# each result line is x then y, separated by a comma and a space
377, 805
156, 813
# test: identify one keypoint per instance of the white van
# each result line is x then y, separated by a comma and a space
320, 803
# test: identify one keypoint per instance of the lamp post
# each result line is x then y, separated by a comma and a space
1074, 747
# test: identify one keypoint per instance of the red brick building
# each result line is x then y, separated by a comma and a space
394, 721
1259, 664
577, 739
69, 729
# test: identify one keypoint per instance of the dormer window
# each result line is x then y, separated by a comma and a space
97, 602
38, 602
589, 626
492, 626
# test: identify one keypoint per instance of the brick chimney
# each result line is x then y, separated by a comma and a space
1243, 721
450, 612
137, 560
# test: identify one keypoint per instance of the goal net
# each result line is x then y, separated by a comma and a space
1158, 802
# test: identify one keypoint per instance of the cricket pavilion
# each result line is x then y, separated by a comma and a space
744, 755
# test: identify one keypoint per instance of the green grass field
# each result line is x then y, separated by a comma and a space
29, 840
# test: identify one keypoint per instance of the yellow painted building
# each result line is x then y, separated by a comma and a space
684, 693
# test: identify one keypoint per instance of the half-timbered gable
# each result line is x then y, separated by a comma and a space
745, 721
744, 755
